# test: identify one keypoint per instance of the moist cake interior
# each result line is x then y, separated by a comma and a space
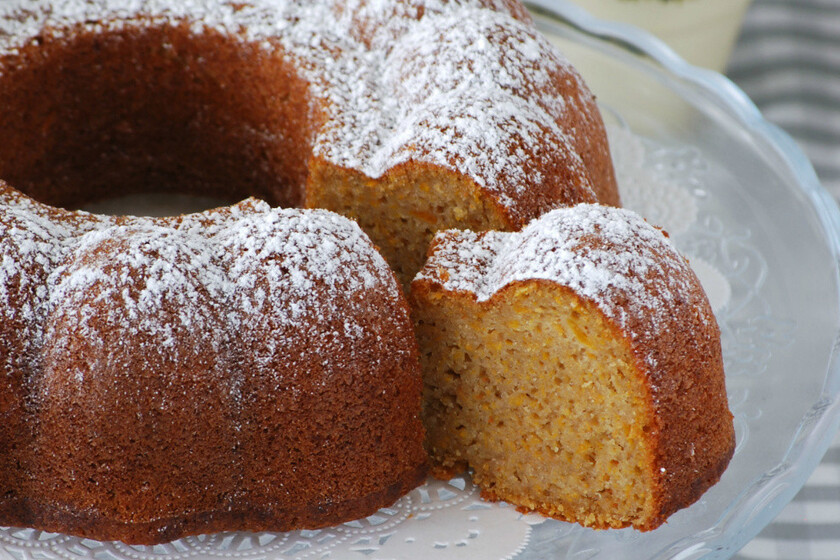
556, 364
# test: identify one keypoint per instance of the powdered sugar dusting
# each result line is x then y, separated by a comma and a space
608, 255
221, 273
467, 91
459, 84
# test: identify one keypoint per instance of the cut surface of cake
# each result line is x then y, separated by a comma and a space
575, 366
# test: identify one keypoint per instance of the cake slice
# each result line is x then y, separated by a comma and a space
574, 366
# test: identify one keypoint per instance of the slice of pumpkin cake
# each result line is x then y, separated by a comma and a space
574, 366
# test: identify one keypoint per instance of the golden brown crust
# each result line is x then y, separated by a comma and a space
124, 421
697, 438
256, 516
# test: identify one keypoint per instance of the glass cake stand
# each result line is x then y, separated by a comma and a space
773, 231
744, 204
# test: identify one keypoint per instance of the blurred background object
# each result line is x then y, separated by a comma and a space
701, 31
787, 60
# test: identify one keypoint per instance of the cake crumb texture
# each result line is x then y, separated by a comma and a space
574, 366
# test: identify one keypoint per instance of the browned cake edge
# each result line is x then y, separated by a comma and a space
28, 512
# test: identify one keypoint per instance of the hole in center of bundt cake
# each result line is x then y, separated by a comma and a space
154, 204
155, 109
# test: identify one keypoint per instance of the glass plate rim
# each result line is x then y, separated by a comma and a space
758, 504
765, 497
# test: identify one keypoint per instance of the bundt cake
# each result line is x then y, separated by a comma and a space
407, 115
575, 366
241, 368
162, 377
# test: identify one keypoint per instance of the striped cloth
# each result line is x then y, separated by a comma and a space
788, 61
